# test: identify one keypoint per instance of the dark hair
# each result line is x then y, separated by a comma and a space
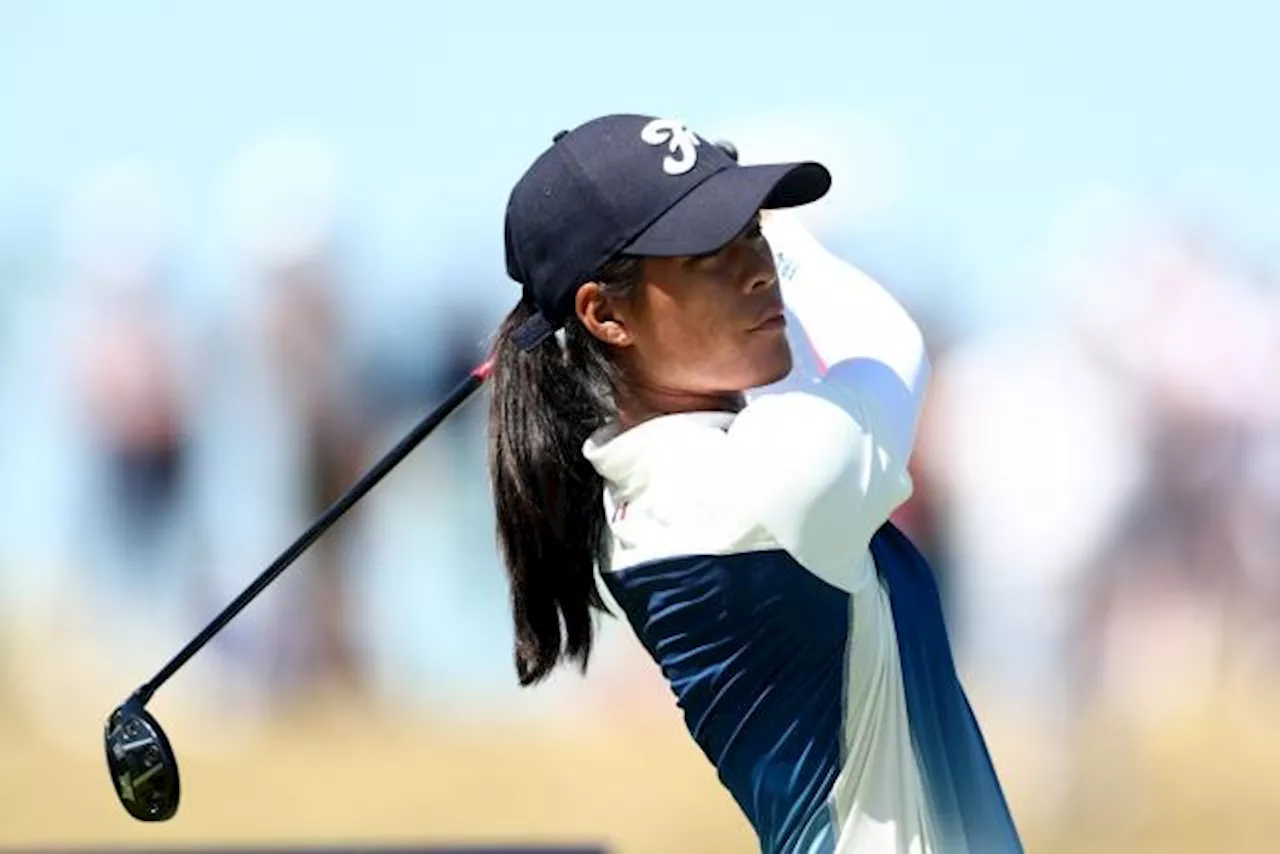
548, 498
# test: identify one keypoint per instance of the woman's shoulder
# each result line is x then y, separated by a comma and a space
790, 471
669, 490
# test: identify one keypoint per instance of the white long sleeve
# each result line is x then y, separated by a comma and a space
861, 337
820, 459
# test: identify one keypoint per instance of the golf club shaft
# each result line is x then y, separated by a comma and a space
335, 511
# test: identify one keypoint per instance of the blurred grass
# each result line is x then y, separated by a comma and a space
1200, 781
360, 777
1196, 775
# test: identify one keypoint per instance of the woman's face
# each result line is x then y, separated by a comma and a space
696, 331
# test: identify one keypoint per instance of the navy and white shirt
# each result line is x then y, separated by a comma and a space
800, 632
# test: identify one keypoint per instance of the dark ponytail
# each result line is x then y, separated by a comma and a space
550, 520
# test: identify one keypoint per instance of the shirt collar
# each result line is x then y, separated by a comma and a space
618, 455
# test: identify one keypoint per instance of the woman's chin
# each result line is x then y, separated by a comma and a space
773, 366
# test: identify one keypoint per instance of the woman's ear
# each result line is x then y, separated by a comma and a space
602, 315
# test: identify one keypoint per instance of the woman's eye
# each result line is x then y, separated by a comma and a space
703, 260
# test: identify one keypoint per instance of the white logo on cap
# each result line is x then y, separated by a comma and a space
683, 146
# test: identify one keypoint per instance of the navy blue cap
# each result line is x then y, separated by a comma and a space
632, 185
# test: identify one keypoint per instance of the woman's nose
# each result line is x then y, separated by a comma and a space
760, 273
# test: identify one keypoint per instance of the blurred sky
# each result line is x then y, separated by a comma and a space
969, 127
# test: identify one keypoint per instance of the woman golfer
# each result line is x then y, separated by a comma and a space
650, 430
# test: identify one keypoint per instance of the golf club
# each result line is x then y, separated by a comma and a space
140, 758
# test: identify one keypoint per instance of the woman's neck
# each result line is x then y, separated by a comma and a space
641, 405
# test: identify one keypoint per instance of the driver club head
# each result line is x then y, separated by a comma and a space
143, 768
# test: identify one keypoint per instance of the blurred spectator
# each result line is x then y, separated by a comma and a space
136, 397
303, 325
1199, 360
434, 606
924, 515
290, 345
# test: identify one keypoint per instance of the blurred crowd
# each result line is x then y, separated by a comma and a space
1098, 484
168, 441
1101, 491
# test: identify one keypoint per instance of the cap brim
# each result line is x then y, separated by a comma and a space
719, 208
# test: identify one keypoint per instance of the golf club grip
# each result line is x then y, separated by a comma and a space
335, 511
